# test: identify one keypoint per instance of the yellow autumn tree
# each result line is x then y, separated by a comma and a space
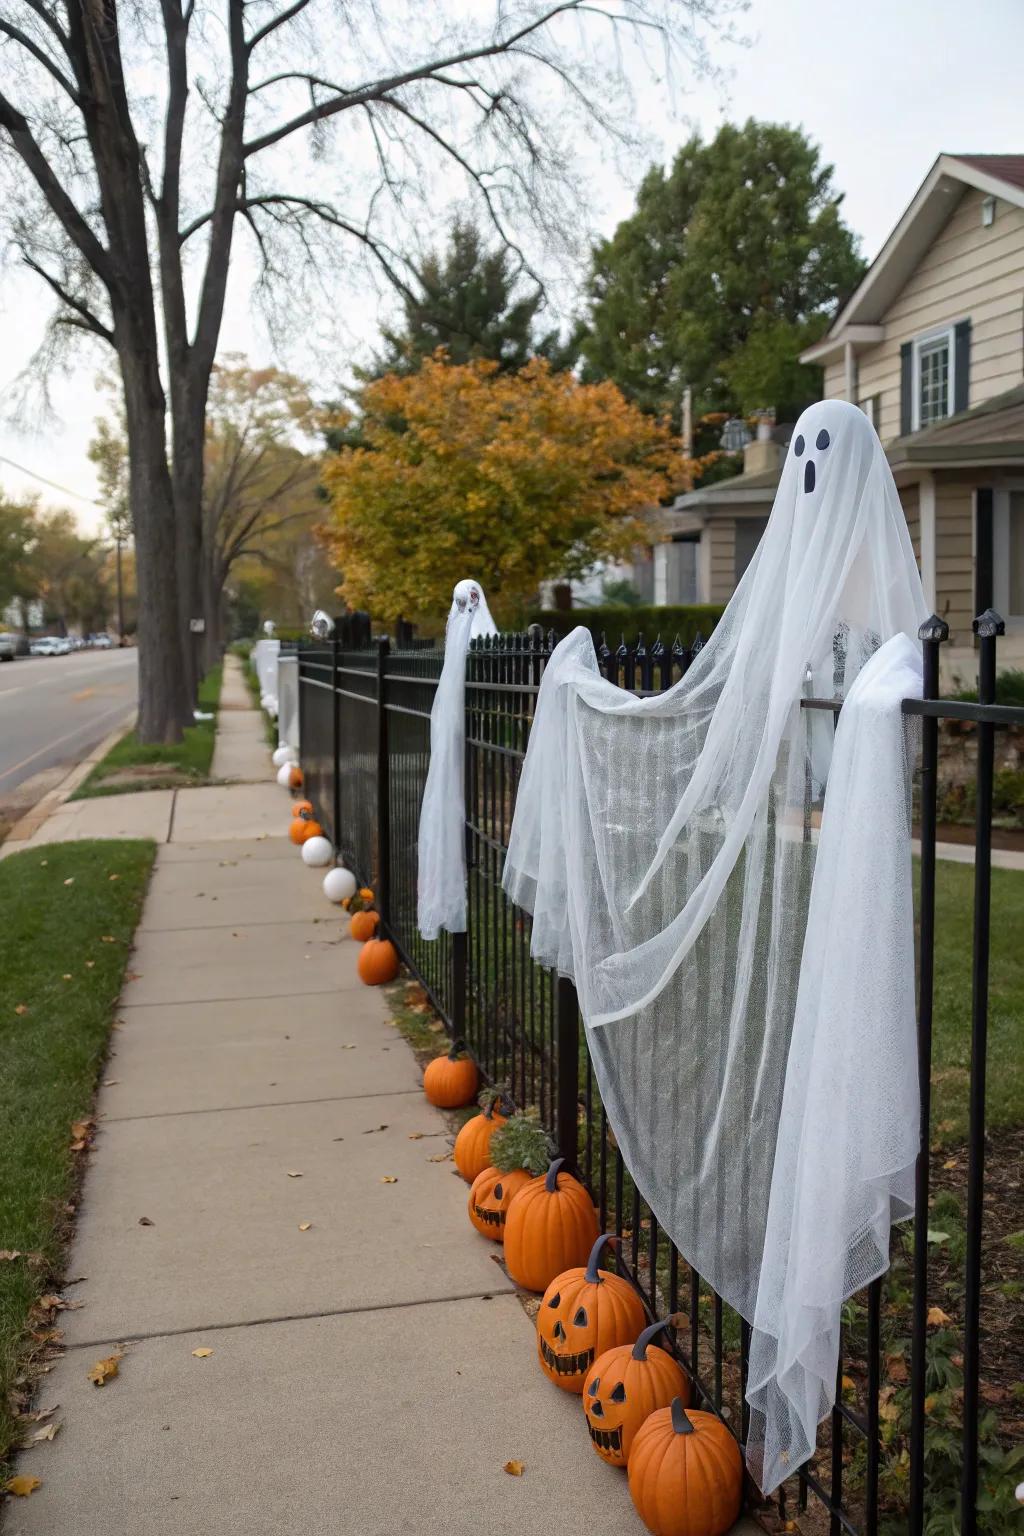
513, 478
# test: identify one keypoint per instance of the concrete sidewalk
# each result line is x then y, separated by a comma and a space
369, 1376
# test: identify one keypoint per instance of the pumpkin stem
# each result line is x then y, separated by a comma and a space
593, 1274
551, 1181
640, 1347
458, 1049
680, 1422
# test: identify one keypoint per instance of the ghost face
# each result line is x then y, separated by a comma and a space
811, 457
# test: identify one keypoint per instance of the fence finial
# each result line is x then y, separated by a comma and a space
988, 624
933, 628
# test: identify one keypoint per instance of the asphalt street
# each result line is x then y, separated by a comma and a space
54, 708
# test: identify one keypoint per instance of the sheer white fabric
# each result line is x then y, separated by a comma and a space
660, 844
441, 871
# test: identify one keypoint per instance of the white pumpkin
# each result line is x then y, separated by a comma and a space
284, 754
317, 851
284, 775
338, 883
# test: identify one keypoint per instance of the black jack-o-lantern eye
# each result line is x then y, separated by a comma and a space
556, 1299
498, 1192
798, 445
618, 1392
594, 1385
822, 440
580, 1320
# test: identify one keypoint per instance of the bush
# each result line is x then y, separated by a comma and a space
1009, 688
617, 623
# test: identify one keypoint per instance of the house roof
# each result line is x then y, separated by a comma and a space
737, 492
992, 432
859, 319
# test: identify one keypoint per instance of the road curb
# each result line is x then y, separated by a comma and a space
34, 819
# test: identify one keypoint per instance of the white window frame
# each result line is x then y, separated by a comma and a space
946, 333
1001, 554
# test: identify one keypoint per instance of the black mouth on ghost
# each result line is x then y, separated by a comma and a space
809, 476
606, 1439
489, 1218
566, 1365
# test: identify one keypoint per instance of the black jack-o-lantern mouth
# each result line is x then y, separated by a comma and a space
607, 1439
489, 1218
566, 1365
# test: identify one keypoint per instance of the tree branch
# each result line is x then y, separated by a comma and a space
87, 320
8, 29
275, 22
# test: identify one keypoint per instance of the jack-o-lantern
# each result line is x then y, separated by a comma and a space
584, 1313
551, 1225
472, 1152
492, 1193
624, 1386
451, 1081
686, 1473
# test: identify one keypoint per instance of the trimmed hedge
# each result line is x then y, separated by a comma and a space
617, 623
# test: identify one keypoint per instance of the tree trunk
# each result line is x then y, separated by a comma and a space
188, 426
165, 702
212, 587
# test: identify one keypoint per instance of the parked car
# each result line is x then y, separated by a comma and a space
50, 645
101, 642
8, 646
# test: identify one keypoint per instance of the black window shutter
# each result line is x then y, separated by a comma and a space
906, 387
961, 365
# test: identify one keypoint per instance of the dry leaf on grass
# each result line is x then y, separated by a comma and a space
107, 938
8, 1254
20, 1008
202, 1354
22, 1486
515, 1468
304, 1226
388, 1178
105, 1370
70, 880
937, 1318
113, 877
66, 976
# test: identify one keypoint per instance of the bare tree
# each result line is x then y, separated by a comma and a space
135, 134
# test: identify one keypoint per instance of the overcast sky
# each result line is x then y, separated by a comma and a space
883, 86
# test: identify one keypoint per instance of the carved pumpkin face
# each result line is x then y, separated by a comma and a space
686, 1473
584, 1313
624, 1387
490, 1198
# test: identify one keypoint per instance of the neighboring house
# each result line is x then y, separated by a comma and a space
931, 347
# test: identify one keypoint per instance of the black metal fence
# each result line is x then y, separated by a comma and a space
887, 1459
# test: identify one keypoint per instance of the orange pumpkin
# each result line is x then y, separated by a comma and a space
451, 1081
551, 1225
686, 1473
378, 962
295, 780
302, 808
297, 830
584, 1313
473, 1143
490, 1198
624, 1387
363, 925
307, 828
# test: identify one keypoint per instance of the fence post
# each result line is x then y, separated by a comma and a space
383, 788
932, 633
336, 740
567, 1049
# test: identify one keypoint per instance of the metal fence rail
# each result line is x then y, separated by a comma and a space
365, 718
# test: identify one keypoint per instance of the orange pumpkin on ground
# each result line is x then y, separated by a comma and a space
302, 827
363, 925
624, 1386
551, 1225
585, 1312
451, 1081
302, 808
473, 1143
295, 779
378, 962
686, 1473
490, 1198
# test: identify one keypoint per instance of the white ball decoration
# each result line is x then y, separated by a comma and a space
283, 754
317, 851
338, 883
284, 775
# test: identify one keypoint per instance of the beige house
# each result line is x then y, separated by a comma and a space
931, 347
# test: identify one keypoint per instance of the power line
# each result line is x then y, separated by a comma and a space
51, 483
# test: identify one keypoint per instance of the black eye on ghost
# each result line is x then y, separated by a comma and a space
821, 442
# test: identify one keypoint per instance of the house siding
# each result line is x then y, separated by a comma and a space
722, 534
910, 498
954, 555
968, 272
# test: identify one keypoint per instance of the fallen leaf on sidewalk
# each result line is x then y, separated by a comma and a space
22, 1486
294, 1173
104, 1370
337, 1138
47, 1432
304, 1226
144, 1221
202, 1354
439, 1157
348, 1047
388, 1178
111, 1082
374, 1128
515, 1468
416, 1135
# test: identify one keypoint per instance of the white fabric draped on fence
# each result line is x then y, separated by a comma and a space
749, 994
441, 869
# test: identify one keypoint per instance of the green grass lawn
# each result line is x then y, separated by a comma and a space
954, 919
67, 916
156, 767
